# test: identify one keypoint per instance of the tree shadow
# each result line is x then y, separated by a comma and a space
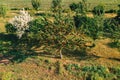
81, 55
17, 50
14, 49
114, 45
115, 59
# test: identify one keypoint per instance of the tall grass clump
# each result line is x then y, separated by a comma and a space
36, 4
3, 10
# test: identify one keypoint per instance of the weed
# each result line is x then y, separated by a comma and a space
59, 67
47, 61
3, 10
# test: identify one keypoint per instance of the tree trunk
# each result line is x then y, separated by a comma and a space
61, 56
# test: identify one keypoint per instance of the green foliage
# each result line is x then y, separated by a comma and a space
93, 27
98, 73
37, 25
36, 4
3, 10
10, 28
72, 67
57, 35
80, 7
96, 77
116, 36
56, 6
112, 30
98, 10
119, 6
73, 6
116, 70
92, 72
118, 13
4, 47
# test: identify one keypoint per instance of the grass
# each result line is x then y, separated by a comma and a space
45, 67
45, 4
101, 62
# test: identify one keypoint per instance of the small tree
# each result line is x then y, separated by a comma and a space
3, 10
20, 22
36, 4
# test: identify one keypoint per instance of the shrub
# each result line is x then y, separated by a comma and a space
98, 73
71, 67
116, 37
92, 27
73, 6
98, 10
36, 4
10, 28
118, 13
80, 7
116, 70
3, 10
112, 30
56, 5
37, 25
20, 23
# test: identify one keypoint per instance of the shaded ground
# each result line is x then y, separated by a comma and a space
45, 67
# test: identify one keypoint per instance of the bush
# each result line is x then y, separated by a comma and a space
20, 23
37, 25
98, 10
3, 10
98, 73
56, 5
112, 30
36, 4
80, 7
116, 38
118, 13
73, 6
92, 27
10, 28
